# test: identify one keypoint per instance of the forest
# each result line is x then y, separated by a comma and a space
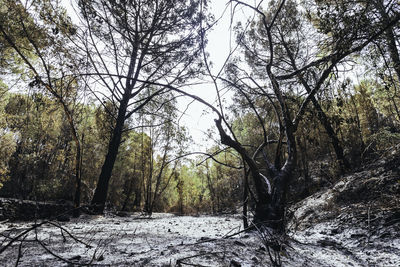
91, 109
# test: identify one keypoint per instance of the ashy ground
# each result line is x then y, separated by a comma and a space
162, 240
169, 240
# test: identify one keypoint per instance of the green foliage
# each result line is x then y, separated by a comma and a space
7, 148
36, 125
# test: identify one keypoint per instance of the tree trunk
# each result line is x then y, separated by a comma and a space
266, 211
128, 196
78, 175
138, 199
245, 197
100, 194
77, 197
130, 188
343, 162
390, 37
210, 188
270, 210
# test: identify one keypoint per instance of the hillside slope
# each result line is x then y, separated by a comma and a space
358, 216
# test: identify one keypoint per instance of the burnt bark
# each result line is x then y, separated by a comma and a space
389, 36
100, 194
322, 117
270, 206
245, 197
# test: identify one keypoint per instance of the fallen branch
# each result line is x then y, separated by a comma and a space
70, 235
179, 262
20, 251
21, 235
61, 258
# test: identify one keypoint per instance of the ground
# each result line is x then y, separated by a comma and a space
134, 240
169, 240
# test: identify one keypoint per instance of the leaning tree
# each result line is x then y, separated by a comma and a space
130, 45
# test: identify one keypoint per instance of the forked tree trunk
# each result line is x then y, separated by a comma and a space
270, 210
270, 204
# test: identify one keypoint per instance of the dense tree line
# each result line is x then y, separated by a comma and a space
37, 151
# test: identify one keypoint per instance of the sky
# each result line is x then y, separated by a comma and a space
220, 39
197, 121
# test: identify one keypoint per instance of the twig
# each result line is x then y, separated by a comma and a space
180, 261
20, 251
20, 235
73, 237
61, 258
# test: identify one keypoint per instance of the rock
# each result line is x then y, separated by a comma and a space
122, 214
393, 218
335, 231
75, 258
327, 243
357, 236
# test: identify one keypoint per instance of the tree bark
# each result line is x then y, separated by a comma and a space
245, 197
390, 37
323, 118
100, 194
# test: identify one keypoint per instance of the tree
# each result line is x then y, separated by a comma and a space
41, 162
338, 19
37, 38
275, 79
129, 45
